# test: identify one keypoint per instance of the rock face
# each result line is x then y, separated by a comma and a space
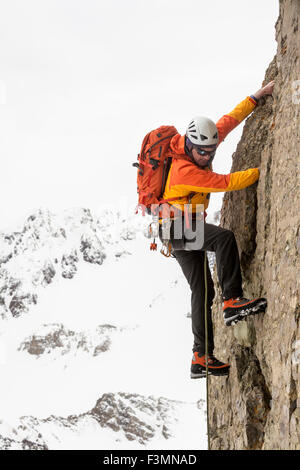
258, 405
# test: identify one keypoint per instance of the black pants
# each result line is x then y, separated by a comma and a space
223, 243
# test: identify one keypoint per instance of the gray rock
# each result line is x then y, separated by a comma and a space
256, 407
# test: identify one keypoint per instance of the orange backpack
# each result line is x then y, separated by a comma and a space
154, 161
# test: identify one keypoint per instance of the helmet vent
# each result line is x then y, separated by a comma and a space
202, 131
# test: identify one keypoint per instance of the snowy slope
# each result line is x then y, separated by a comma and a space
79, 326
118, 421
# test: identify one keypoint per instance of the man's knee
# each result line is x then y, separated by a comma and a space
227, 234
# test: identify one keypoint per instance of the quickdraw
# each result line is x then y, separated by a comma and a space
166, 249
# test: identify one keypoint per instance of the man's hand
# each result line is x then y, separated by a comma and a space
265, 90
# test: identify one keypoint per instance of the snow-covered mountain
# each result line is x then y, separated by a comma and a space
117, 420
56, 340
95, 338
52, 245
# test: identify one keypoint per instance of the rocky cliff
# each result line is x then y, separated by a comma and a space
258, 405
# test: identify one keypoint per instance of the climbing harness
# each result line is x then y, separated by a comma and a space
152, 231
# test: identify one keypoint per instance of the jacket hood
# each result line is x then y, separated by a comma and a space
177, 144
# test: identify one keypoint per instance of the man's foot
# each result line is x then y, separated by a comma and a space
215, 367
239, 308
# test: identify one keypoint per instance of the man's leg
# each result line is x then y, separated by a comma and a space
192, 265
223, 243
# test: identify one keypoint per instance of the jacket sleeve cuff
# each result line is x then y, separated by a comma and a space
253, 99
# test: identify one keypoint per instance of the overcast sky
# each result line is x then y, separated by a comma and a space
81, 83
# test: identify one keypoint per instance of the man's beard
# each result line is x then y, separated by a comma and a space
207, 164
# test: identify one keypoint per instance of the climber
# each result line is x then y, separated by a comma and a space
192, 179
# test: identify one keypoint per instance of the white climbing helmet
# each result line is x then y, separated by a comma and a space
202, 131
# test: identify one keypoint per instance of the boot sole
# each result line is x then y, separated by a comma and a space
247, 312
202, 375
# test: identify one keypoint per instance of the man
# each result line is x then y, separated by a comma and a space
191, 180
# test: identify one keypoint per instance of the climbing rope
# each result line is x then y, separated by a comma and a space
206, 354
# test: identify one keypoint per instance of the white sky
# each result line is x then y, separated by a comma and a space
81, 83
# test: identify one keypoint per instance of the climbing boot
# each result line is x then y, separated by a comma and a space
215, 367
238, 308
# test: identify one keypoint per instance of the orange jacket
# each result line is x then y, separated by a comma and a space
192, 184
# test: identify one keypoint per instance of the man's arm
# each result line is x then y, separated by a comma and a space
188, 177
229, 121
